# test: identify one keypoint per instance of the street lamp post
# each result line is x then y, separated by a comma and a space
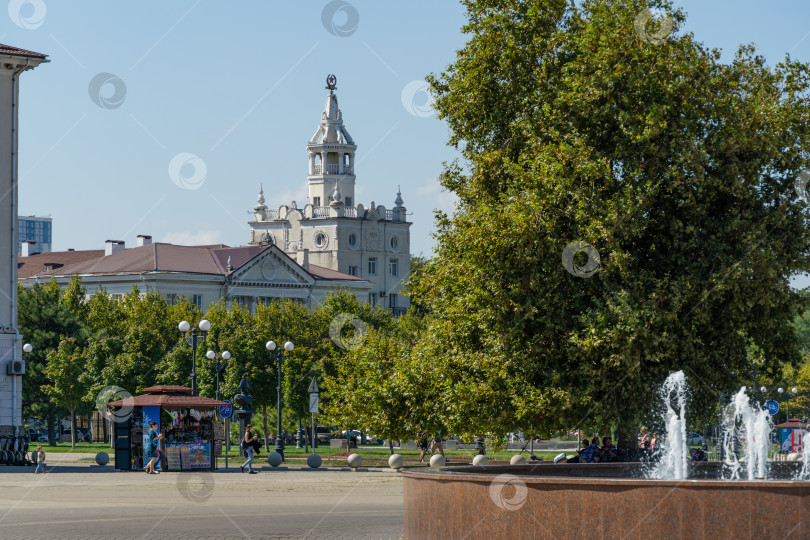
279, 357
194, 339
219, 362
787, 400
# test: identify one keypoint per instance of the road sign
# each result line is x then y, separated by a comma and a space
225, 411
773, 407
313, 403
313, 386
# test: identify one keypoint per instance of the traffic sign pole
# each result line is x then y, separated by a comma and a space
225, 411
313, 408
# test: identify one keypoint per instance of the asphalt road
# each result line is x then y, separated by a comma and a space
75, 501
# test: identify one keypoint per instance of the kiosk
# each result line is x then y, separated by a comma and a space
791, 435
191, 434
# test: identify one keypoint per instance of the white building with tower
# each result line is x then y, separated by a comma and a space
13, 62
332, 229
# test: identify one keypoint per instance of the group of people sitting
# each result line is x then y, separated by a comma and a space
594, 453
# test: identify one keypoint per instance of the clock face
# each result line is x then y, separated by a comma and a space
269, 269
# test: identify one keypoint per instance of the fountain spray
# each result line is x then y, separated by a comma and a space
673, 464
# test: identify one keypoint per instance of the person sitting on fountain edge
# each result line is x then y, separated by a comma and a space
591, 453
608, 451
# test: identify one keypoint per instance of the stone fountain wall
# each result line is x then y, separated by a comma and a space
507, 505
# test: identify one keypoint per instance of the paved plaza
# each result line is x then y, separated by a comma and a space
79, 501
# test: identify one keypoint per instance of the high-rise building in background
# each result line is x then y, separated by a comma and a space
35, 229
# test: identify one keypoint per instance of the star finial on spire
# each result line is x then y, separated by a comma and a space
331, 83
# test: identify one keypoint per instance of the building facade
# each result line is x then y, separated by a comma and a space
37, 232
13, 62
246, 276
372, 243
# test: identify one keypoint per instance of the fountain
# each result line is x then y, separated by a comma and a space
749, 426
733, 498
674, 450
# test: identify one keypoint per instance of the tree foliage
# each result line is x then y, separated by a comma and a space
68, 380
679, 170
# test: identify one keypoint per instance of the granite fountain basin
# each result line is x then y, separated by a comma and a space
603, 500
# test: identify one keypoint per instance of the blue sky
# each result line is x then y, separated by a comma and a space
242, 87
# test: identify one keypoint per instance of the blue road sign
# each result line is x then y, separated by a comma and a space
773, 407
225, 411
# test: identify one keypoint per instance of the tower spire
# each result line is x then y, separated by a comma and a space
331, 155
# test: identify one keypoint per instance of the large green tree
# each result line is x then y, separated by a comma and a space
68, 379
590, 134
45, 313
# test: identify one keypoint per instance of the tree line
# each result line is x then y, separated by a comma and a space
628, 205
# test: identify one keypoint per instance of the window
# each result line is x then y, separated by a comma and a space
317, 201
392, 300
392, 267
320, 240
394, 242
372, 299
197, 301
354, 270
352, 240
348, 201
171, 299
372, 266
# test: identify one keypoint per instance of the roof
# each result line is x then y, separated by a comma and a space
168, 400
167, 389
166, 395
158, 257
35, 264
14, 51
793, 423
319, 272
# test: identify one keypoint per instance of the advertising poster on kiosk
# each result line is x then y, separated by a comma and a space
791, 439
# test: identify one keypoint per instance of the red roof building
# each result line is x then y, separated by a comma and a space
247, 275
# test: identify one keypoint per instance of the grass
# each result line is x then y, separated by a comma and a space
64, 448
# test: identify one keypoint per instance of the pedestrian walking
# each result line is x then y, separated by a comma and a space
151, 450
247, 445
423, 445
436, 444
40, 461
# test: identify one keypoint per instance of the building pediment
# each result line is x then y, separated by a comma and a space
271, 266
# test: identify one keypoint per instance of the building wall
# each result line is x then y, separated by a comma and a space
351, 242
10, 385
8, 205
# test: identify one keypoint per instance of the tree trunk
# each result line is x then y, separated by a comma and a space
266, 444
51, 421
73, 428
391, 446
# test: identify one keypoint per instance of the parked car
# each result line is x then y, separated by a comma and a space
82, 435
694, 438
